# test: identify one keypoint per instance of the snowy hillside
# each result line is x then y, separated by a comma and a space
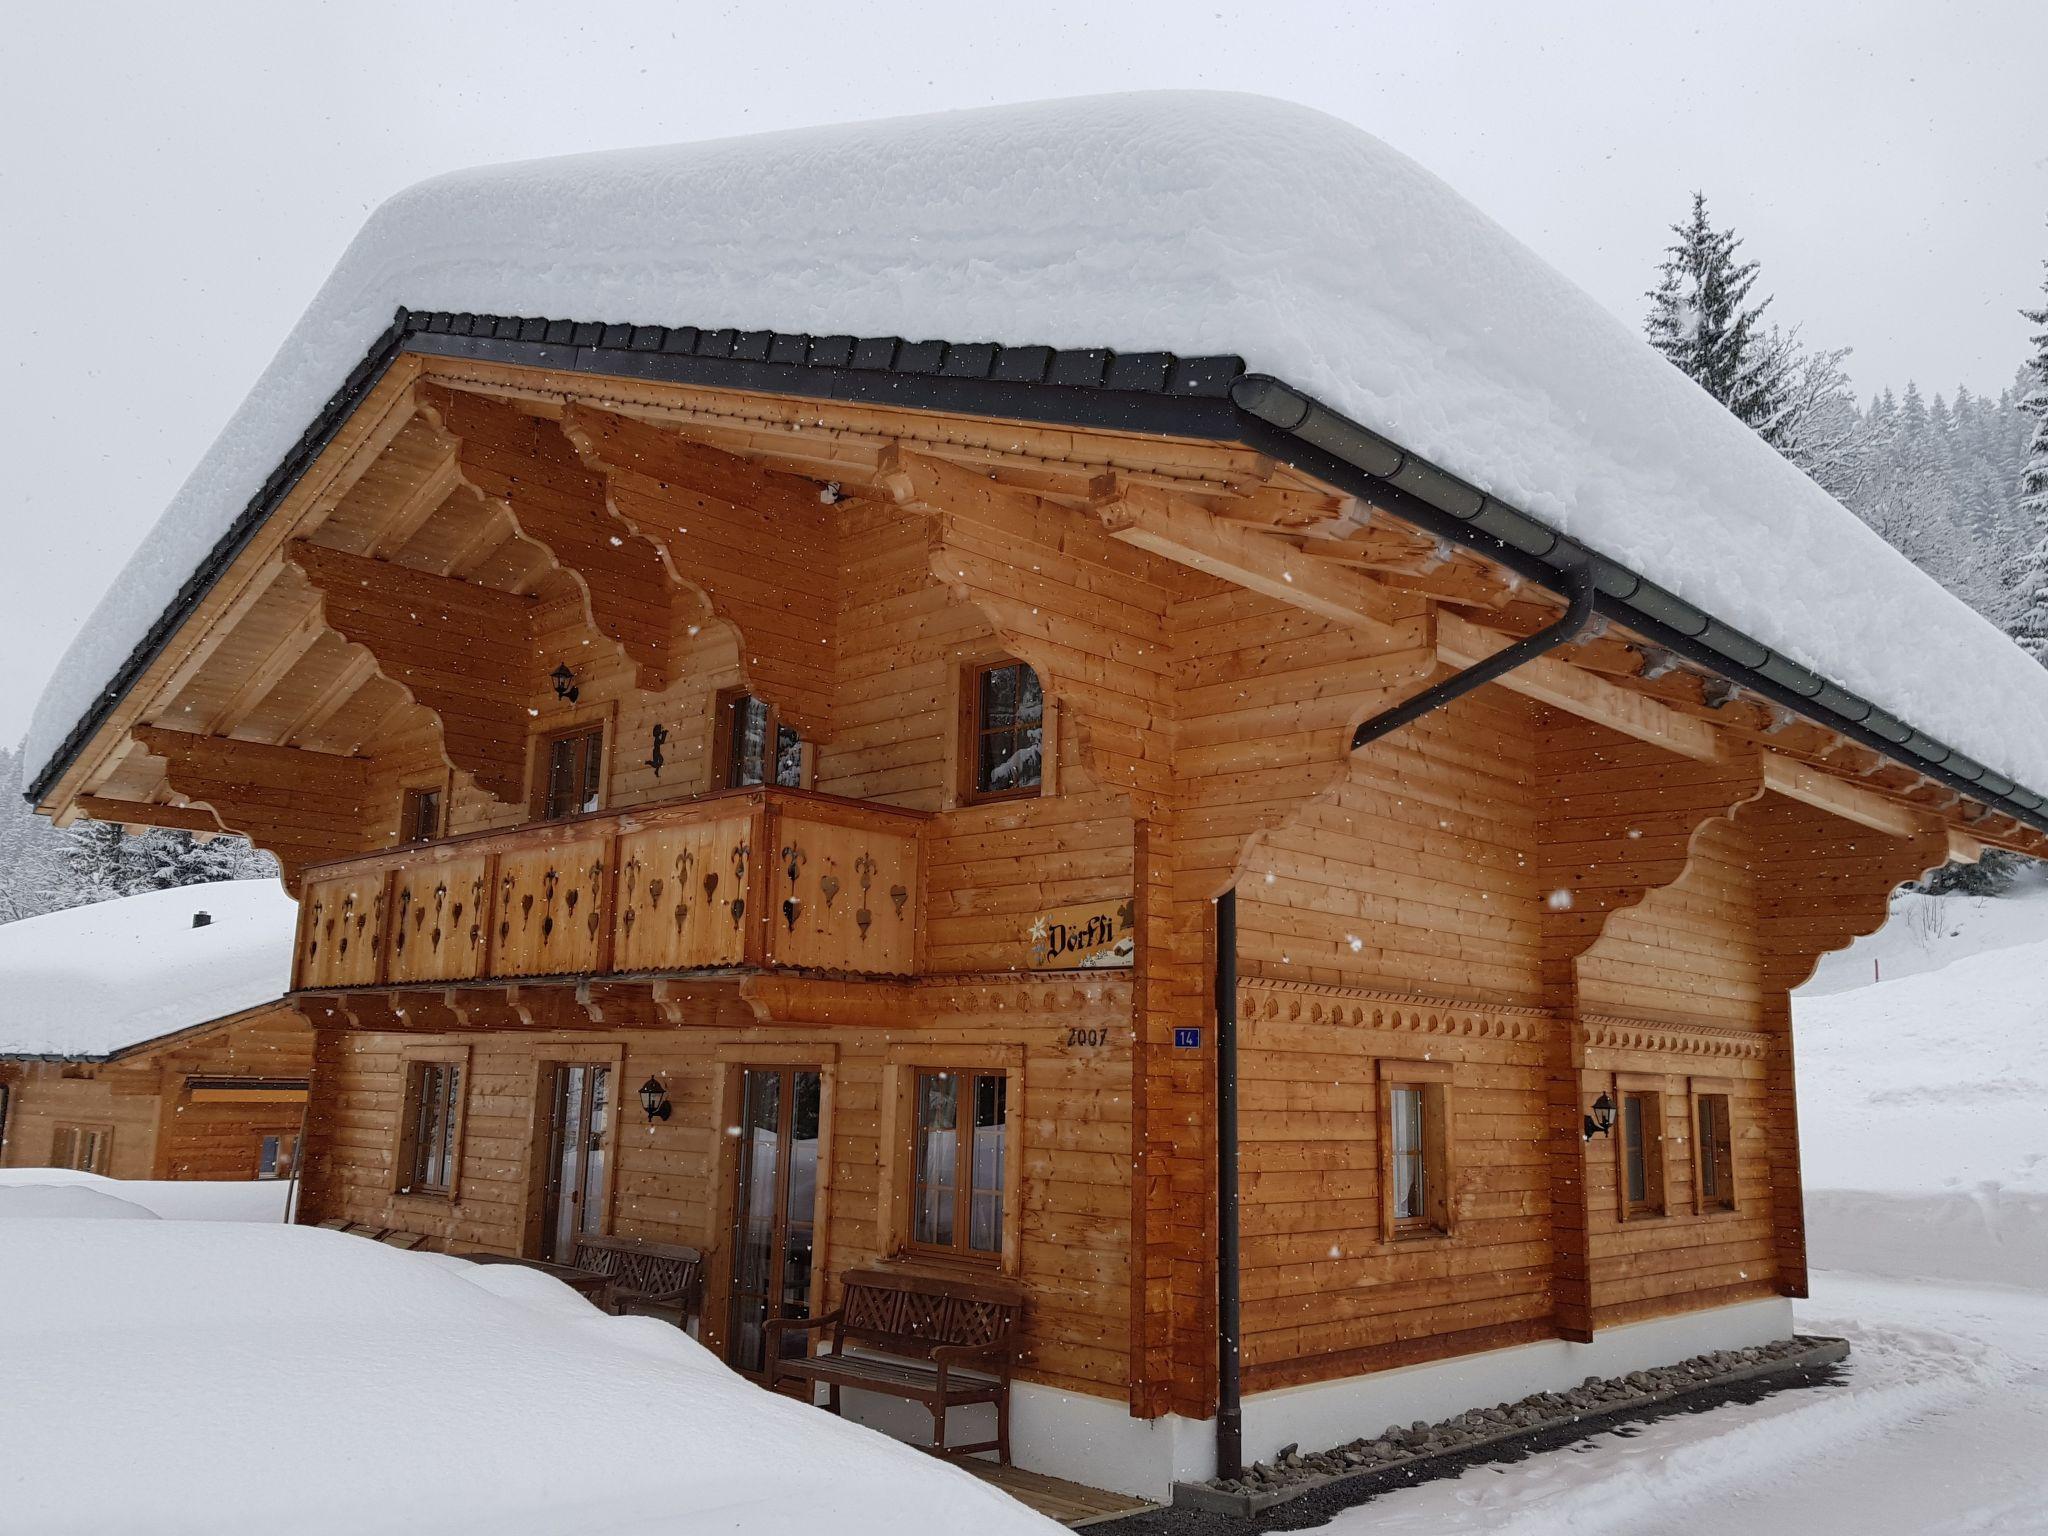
1924, 1095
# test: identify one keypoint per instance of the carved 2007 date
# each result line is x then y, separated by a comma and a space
1081, 1035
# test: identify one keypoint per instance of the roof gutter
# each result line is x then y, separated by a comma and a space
1307, 434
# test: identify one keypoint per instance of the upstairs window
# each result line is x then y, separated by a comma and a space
1642, 1154
757, 748
573, 774
958, 1156
1006, 731
422, 820
1716, 1154
428, 1149
277, 1156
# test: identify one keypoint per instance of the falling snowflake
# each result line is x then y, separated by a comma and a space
1559, 900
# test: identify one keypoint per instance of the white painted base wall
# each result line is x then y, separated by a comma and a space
1094, 1440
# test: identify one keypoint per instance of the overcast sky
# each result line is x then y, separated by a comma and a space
175, 181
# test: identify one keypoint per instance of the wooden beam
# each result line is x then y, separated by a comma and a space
1852, 802
144, 813
1181, 532
527, 465
463, 652
305, 807
1548, 680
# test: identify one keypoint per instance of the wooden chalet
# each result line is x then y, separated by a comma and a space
854, 805
187, 1065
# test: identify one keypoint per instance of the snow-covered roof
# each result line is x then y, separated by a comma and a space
1195, 223
90, 981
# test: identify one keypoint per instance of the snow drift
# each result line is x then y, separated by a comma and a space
175, 1376
92, 980
1190, 222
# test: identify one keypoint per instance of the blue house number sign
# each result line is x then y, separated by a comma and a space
1187, 1039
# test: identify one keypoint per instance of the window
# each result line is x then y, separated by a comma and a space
958, 1154
277, 1156
574, 774
422, 822
433, 1100
1642, 1154
85, 1148
1415, 1160
1006, 735
756, 747
1716, 1154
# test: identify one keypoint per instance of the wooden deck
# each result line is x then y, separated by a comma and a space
1072, 1504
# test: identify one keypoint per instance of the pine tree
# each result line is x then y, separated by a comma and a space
2030, 586
1700, 318
2034, 475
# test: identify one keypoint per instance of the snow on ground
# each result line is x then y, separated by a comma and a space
1924, 1097
227, 1378
1923, 1128
179, 1199
91, 980
1193, 222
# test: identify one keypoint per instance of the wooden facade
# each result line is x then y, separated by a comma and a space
1592, 878
224, 1100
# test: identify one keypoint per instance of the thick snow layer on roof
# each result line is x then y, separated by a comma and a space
1190, 222
93, 980
224, 1377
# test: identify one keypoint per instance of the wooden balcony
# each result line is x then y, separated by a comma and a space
743, 879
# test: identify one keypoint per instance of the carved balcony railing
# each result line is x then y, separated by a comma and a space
752, 878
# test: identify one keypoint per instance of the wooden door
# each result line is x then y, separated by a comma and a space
775, 1207
572, 1194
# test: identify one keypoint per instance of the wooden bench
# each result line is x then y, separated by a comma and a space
645, 1278
920, 1330
395, 1237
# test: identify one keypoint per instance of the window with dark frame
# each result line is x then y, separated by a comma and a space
422, 815
276, 1156
574, 769
1716, 1153
759, 748
1642, 1153
1007, 725
432, 1102
958, 1153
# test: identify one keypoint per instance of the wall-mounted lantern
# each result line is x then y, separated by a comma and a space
654, 1099
1601, 1121
565, 683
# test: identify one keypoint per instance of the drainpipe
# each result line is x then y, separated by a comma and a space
1578, 588
1229, 1327
1577, 585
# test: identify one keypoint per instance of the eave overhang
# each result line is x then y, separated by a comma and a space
1158, 393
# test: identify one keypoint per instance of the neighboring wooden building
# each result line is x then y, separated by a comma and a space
845, 744
137, 1045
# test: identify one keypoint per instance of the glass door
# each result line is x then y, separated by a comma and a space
572, 1199
775, 1204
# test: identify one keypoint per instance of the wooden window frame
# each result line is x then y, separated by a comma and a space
600, 1052
723, 738
78, 1130
730, 1063
1656, 1202
1435, 1080
1725, 1202
409, 796
970, 734
597, 720
905, 1062
405, 1149
961, 1250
